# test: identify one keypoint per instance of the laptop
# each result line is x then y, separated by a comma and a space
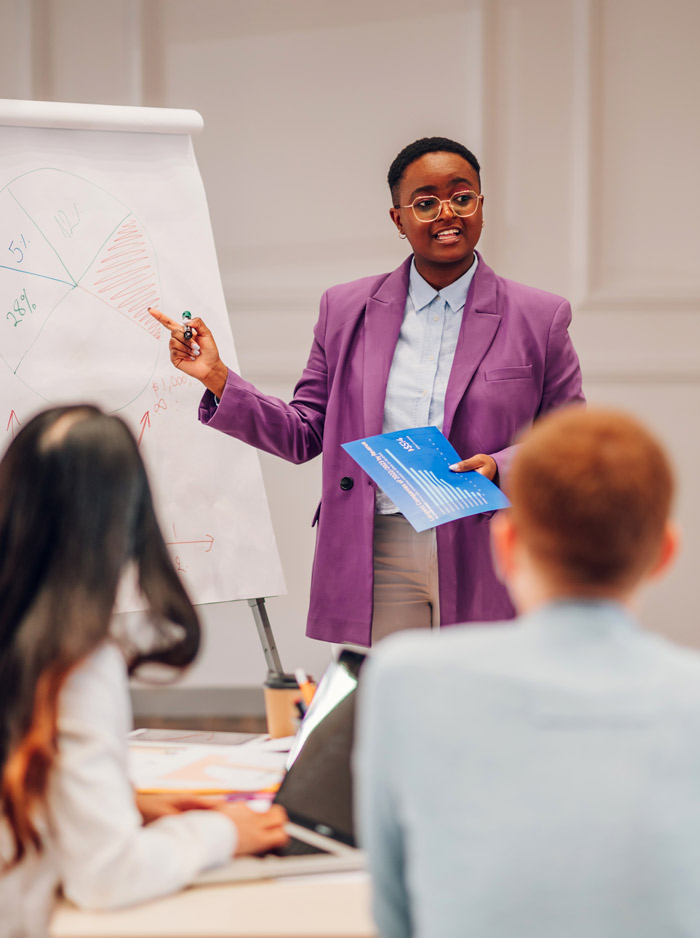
316, 791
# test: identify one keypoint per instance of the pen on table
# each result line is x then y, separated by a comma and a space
218, 793
250, 796
305, 686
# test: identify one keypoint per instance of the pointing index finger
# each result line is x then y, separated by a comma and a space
164, 320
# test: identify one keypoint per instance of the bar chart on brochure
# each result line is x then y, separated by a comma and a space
413, 468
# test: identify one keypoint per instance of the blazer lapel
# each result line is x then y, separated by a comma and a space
383, 317
480, 323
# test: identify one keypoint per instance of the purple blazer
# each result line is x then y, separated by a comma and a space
514, 361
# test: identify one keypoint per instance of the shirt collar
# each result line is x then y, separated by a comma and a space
454, 293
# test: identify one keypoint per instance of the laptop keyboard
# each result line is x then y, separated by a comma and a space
296, 848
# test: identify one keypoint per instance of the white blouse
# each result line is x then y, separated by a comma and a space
96, 847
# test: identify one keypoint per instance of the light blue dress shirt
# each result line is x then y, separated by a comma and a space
420, 369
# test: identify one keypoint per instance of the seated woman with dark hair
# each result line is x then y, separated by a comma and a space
75, 514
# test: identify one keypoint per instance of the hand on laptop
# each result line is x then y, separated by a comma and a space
257, 832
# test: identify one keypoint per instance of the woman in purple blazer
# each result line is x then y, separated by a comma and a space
441, 340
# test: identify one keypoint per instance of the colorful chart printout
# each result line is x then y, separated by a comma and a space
413, 468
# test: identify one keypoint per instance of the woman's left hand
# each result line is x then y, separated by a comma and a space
482, 463
154, 806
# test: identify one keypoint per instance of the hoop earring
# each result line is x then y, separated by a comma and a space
401, 234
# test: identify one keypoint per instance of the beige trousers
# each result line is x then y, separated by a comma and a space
406, 594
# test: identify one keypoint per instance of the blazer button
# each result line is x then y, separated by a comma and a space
346, 483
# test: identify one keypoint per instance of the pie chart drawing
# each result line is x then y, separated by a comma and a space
77, 275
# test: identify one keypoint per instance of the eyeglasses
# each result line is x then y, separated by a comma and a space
429, 207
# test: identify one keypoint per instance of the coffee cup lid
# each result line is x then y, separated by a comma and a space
281, 681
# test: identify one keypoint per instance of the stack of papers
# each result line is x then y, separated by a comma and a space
205, 769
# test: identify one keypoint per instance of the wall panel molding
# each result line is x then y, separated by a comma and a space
585, 58
604, 55
19, 52
134, 32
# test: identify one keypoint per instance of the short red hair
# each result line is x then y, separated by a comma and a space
591, 492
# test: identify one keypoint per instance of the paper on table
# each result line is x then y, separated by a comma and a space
413, 468
192, 737
203, 769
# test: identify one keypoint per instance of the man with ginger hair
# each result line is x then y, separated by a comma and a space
541, 778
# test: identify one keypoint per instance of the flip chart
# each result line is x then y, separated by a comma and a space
102, 214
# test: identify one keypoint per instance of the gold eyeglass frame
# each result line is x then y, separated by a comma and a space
428, 221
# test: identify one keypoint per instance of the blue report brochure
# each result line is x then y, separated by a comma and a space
413, 468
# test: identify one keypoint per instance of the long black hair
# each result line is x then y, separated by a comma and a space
75, 511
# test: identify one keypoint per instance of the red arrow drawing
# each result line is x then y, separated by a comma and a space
207, 539
13, 423
145, 422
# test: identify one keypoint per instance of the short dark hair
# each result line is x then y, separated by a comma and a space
75, 511
419, 148
591, 492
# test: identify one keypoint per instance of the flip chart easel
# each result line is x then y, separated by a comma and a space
102, 214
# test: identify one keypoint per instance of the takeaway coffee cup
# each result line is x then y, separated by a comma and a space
281, 693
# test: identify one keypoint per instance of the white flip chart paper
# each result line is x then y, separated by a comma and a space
102, 214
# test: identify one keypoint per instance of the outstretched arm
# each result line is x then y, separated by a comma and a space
293, 431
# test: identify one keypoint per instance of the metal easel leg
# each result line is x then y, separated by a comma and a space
267, 639
281, 690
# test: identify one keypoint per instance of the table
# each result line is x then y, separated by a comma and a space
335, 905
330, 905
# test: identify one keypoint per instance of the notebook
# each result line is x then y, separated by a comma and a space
316, 791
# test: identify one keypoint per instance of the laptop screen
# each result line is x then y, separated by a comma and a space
316, 792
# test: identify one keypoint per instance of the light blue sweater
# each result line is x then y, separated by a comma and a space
537, 779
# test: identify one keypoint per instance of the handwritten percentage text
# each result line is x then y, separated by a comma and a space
18, 248
22, 306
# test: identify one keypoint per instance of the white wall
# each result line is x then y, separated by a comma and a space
583, 113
